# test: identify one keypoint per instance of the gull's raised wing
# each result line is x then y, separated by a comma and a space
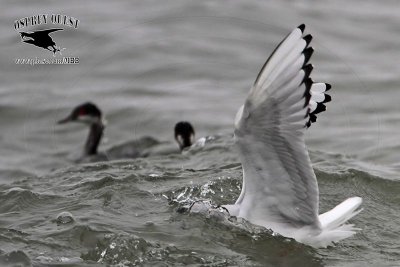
279, 184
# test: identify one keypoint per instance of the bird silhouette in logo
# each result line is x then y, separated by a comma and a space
41, 39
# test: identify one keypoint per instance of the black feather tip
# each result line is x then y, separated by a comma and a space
307, 95
307, 54
307, 71
320, 108
302, 27
308, 39
327, 99
328, 87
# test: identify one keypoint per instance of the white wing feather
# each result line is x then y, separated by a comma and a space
280, 190
270, 138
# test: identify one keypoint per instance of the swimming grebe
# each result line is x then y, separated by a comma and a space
88, 113
184, 134
280, 190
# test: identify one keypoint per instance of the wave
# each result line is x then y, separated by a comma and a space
18, 199
14, 258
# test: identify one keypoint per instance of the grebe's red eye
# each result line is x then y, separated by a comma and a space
82, 112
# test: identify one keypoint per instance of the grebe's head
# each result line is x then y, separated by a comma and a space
87, 113
184, 134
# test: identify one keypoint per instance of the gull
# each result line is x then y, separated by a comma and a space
280, 190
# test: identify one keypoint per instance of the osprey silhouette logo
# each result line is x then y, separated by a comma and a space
41, 39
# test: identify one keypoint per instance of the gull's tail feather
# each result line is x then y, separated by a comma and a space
340, 214
333, 222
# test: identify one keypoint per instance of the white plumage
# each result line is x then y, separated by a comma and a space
280, 190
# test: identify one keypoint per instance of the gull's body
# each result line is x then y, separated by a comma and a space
280, 190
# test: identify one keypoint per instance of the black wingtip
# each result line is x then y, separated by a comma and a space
327, 99
307, 54
313, 118
302, 27
308, 83
328, 87
320, 108
307, 95
308, 39
307, 71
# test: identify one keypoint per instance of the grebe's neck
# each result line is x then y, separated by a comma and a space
94, 137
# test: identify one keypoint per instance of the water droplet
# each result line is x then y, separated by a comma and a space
65, 217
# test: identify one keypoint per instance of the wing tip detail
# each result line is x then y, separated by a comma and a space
314, 94
307, 71
307, 54
318, 100
302, 27
327, 99
328, 86
308, 38
307, 94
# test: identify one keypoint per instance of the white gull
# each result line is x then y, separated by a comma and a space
280, 190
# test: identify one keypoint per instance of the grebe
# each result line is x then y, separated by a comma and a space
89, 113
184, 134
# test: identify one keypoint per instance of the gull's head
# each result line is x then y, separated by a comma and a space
87, 113
184, 134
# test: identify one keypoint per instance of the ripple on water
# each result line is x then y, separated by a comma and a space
17, 199
131, 250
14, 258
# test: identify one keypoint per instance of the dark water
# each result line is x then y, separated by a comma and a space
149, 64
